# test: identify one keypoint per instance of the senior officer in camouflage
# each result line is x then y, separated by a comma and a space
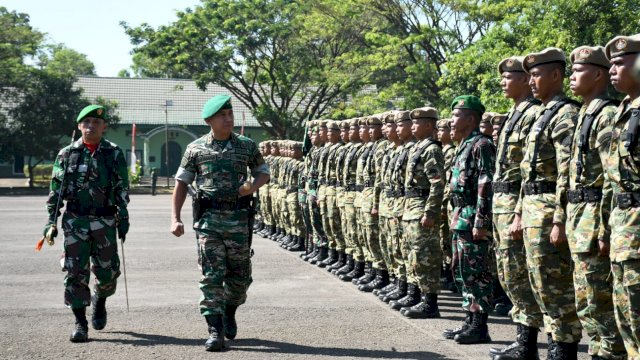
218, 163
423, 193
510, 251
543, 199
92, 176
586, 232
471, 193
623, 172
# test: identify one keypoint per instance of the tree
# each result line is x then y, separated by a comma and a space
286, 60
18, 40
60, 59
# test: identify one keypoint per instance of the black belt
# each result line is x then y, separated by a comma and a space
583, 195
505, 187
416, 193
333, 182
79, 210
350, 187
627, 200
359, 187
394, 193
541, 187
291, 189
460, 200
322, 182
218, 204
368, 183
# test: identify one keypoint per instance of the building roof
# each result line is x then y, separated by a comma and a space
142, 100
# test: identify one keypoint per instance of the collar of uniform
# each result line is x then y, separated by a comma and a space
593, 104
233, 139
79, 144
555, 99
530, 99
473, 134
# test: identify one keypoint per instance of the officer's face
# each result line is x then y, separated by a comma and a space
267, 150
462, 123
323, 133
275, 151
494, 135
221, 122
344, 133
543, 81
419, 128
621, 72
354, 133
584, 77
363, 130
392, 134
403, 129
92, 129
514, 84
375, 132
444, 134
334, 135
486, 128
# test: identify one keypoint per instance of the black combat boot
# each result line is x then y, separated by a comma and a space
451, 333
332, 258
99, 316
229, 321
282, 235
565, 351
381, 280
358, 270
499, 351
426, 309
369, 275
287, 241
347, 268
525, 347
478, 331
81, 331
276, 233
393, 284
264, 230
270, 231
312, 254
298, 245
397, 294
412, 298
216, 333
322, 254
342, 258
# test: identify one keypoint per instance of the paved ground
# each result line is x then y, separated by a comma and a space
294, 310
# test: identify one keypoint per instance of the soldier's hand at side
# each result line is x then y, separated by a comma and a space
558, 235
516, 228
177, 228
427, 222
480, 234
245, 189
603, 248
374, 212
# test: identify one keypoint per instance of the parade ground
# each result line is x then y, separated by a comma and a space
294, 310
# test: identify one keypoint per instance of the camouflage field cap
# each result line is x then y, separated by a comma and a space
424, 113
333, 125
591, 55
549, 55
345, 124
215, 104
375, 119
511, 64
94, 111
322, 123
470, 102
444, 123
493, 118
363, 120
354, 122
623, 45
296, 145
402, 116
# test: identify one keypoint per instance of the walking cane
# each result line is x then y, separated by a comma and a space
124, 271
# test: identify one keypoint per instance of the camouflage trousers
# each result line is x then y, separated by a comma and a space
224, 260
333, 214
341, 197
361, 234
320, 238
306, 218
550, 273
384, 229
594, 304
273, 202
89, 241
371, 234
265, 205
470, 263
281, 208
296, 224
352, 235
425, 256
445, 236
397, 248
626, 302
511, 259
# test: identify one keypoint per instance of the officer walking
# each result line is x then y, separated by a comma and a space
92, 176
218, 163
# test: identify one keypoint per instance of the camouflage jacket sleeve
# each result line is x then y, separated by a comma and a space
55, 186
449, 154
485, 157
562, 137
120, 180
603, 144
433, 160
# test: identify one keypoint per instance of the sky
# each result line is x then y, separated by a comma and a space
93, 27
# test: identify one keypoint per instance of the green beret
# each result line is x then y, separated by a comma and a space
623, 45
94, 111
592, 55
215, 104
468, 102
